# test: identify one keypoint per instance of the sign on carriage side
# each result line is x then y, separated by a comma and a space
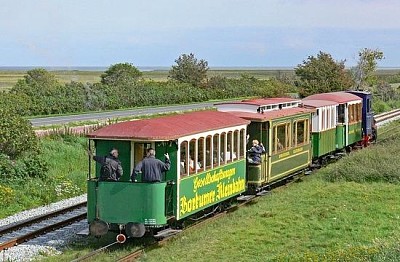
197, 192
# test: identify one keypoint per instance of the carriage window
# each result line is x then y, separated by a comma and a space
140, 151
215, 154
242, 143
235, 144
222, 149
192, 156
280, 137
208, 151
184, 158
341, 116
300, 127
351, 113
229, 147
200, 154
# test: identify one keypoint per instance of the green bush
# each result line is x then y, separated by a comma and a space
31, 166
16, 135
7, 169
40, 92
379, 106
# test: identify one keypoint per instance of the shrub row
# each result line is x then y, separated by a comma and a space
29, 99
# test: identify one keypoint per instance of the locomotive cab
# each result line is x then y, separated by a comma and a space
367, 114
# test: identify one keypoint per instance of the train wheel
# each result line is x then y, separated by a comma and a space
135, 229
98, 228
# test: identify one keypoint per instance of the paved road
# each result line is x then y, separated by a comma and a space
59, 120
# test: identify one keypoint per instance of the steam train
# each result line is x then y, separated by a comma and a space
209, 166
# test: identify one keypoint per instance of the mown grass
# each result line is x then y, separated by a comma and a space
340, 213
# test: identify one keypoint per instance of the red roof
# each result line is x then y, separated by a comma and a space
339, 97
263, 101
269, 115
318, 103
169, 127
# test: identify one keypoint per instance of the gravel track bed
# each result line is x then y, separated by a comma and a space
51, 243
42, 210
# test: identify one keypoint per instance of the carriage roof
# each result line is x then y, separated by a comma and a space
271, 115
318, 103
169, 127
262, 101
339, 97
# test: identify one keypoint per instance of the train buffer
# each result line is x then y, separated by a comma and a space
245, 197
167, 233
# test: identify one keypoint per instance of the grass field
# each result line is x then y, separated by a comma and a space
9, 78
348, 211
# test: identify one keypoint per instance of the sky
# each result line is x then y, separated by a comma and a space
225, 33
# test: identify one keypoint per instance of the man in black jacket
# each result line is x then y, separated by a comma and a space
111, 169
151, 167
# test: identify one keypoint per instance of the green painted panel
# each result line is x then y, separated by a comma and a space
354, 133
289, 161
103, 148
91, 200
257, 174
197, 192
254, 174
340, 136
123, 202
171, 148
323, 142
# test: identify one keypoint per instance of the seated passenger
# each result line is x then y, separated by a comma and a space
183, 168
254, 153
280, 146
191, 165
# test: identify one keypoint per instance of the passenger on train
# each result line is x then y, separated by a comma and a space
254, 153
191, 165
228, 154
151, 167
280, 146
111, 168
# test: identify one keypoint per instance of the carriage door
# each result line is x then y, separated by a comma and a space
265, 158
341, 126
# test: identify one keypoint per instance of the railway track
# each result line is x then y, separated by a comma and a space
386, 117
17, 233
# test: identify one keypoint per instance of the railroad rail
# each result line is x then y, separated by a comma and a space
386, 117
10, 235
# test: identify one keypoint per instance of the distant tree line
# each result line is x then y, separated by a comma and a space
121, 86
